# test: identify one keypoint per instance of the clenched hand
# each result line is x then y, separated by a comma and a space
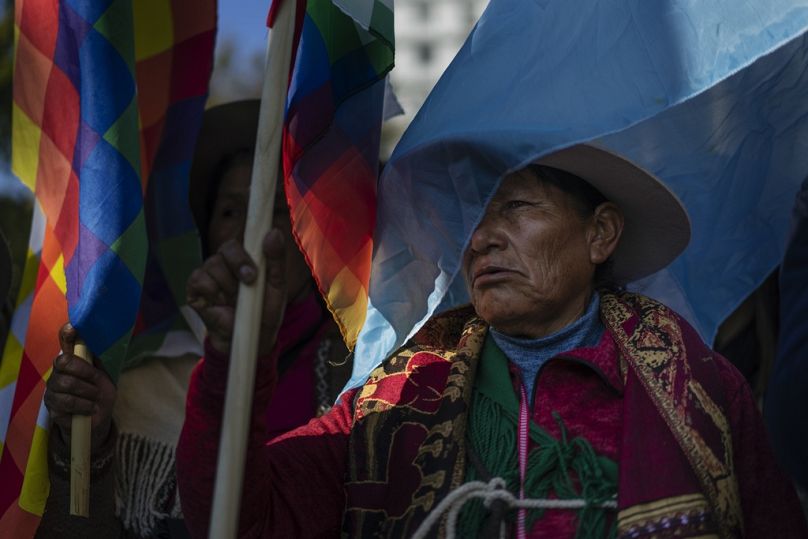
76, 387
213, 288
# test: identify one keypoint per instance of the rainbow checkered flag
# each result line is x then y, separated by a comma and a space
108, 98
331, 144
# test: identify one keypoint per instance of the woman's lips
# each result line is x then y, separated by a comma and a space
491, 275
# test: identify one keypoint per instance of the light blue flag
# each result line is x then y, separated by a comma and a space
711, 96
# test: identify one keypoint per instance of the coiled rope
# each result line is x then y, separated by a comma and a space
489, 492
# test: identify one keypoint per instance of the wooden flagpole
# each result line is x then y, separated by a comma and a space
80, 440
241, 373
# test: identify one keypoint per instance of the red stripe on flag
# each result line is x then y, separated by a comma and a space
68, 220
31, 69
53, 176
343, 205
153, 99
18, 523
190, 69
192, 18
60, 118
24, 411
12, 482
39, 22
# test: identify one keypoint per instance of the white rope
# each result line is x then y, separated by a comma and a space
489, 492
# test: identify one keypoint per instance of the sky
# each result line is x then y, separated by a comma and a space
244, 21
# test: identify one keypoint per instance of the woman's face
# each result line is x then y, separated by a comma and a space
530, 263
229, 217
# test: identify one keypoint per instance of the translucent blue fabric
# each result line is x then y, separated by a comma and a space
709, 95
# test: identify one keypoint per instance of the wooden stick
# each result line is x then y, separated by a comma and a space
80, 439
241, 374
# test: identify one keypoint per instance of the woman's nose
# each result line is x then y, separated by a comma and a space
488, 234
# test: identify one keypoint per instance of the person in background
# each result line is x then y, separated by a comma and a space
137, 423
748, 336
786, 402
601, 410
312, 354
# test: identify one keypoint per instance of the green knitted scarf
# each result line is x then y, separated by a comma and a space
552, 464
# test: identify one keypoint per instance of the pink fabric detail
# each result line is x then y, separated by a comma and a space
293, 402
574, 384
523, 428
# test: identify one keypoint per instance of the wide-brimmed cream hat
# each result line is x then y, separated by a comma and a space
657, 227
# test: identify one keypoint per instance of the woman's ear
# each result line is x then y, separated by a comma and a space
607, 227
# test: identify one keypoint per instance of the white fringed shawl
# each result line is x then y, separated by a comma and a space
149, 412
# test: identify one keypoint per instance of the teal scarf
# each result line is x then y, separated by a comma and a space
493, 437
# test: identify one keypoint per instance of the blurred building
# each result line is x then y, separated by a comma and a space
428, 35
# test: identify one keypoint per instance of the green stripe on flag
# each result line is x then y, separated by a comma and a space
382, 23
124, 135
374, 16
380, 57
116, 26
344, 36
338, 30
359, 10
132, 246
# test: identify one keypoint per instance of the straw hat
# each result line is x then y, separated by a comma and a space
657, 227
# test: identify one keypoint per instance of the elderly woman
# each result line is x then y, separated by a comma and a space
574, 409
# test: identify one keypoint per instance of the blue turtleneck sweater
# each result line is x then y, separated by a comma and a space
530, 354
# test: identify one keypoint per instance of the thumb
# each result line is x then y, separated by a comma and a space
67, 338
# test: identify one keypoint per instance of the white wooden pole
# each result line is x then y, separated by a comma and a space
241, 374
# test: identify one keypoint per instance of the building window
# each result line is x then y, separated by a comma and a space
423, 10
425, 53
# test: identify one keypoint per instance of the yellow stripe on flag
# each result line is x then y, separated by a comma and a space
154, 27
35, 485
24, 147
12, 356
58, 274
349, 316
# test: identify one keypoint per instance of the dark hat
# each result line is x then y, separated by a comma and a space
227, 130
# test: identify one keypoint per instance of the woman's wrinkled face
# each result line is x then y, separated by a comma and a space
229, 217
530, 264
